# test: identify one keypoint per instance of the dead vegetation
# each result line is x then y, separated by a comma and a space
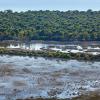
91, 96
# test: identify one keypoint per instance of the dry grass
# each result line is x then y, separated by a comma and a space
91, 96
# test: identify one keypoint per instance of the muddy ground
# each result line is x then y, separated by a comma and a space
24, 77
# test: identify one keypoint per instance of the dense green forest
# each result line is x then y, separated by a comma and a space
50, 25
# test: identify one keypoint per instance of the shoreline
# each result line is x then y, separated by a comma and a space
50, 53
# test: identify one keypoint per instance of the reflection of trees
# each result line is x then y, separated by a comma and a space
5, 45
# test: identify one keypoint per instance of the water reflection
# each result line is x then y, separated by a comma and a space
77, 47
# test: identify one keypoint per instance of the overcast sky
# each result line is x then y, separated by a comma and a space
63, 5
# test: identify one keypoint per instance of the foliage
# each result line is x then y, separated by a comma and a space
52, 54
50, 25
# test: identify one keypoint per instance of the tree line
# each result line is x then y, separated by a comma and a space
50, 25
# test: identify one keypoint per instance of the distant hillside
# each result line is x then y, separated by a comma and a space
50, 25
